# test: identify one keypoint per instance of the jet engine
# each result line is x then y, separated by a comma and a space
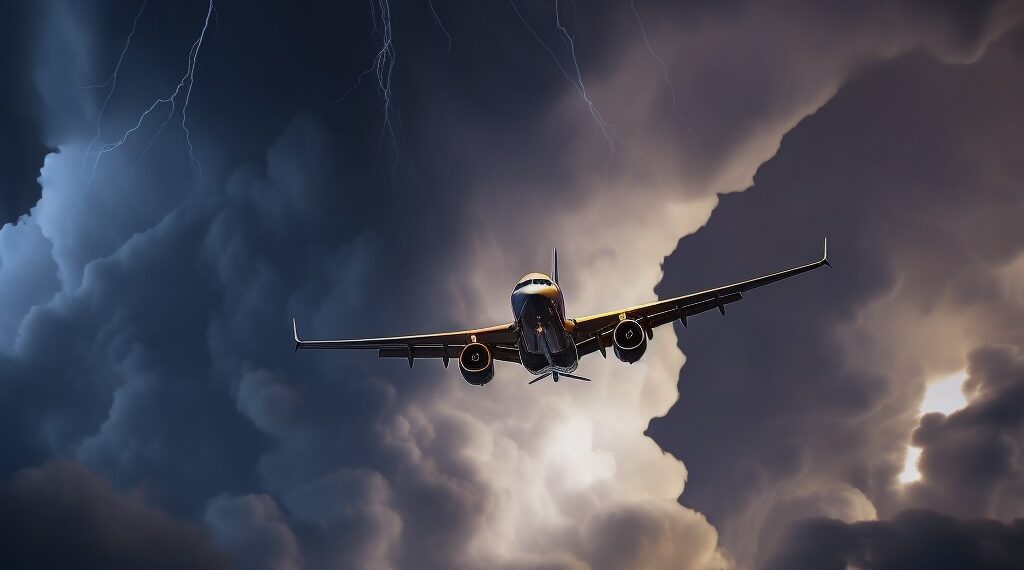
476, 364
629, 341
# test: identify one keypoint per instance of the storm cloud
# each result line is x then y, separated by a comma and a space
61, 515
816, 386
913, 539
148, 292
21, 142
971, 459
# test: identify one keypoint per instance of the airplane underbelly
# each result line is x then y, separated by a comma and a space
545, 344
553, 339
564, 361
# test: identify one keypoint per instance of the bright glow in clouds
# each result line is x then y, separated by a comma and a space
943, 396
571, 452
569, 463
910, 473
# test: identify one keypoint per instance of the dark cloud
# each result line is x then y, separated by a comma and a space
912, 539
970, 460
21, 146
812, 388
62, 515
147, 333
255, 531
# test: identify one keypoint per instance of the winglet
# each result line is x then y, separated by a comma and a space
295, 334
824, 255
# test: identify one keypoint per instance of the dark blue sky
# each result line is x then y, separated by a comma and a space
180, 179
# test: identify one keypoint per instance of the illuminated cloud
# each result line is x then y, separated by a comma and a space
969, 461
147, 330
943, 396
823, 386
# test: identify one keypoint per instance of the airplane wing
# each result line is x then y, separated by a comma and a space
501, 338
592, 333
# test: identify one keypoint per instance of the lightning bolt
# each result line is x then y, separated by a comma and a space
665, 71
381, 67
112, 80
183, 89
576, 79
384, 64
440, 24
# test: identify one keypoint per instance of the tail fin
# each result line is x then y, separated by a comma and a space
554, 265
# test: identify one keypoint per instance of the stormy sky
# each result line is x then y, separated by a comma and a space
180, 179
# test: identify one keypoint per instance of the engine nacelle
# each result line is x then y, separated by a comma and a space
476, 364
629, 341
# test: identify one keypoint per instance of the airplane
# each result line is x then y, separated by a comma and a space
543, 340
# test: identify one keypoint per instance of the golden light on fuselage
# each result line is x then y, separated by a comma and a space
539, 284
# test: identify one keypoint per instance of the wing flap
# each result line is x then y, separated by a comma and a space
679, 313
500, 352
420, 352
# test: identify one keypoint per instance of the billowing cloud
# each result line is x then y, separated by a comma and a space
812, 389
21, 147
255, 531
970, 460
62, 515
913, 539
148, 335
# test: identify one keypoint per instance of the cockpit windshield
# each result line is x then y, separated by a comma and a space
533, 282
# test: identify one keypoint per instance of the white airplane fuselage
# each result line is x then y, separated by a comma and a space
538, 308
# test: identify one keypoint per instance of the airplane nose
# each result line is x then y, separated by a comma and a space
549, 292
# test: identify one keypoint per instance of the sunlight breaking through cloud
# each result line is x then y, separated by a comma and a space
944, 396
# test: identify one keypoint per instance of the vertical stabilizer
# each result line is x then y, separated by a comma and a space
554, 265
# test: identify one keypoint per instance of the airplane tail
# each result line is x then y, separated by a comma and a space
554, 265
